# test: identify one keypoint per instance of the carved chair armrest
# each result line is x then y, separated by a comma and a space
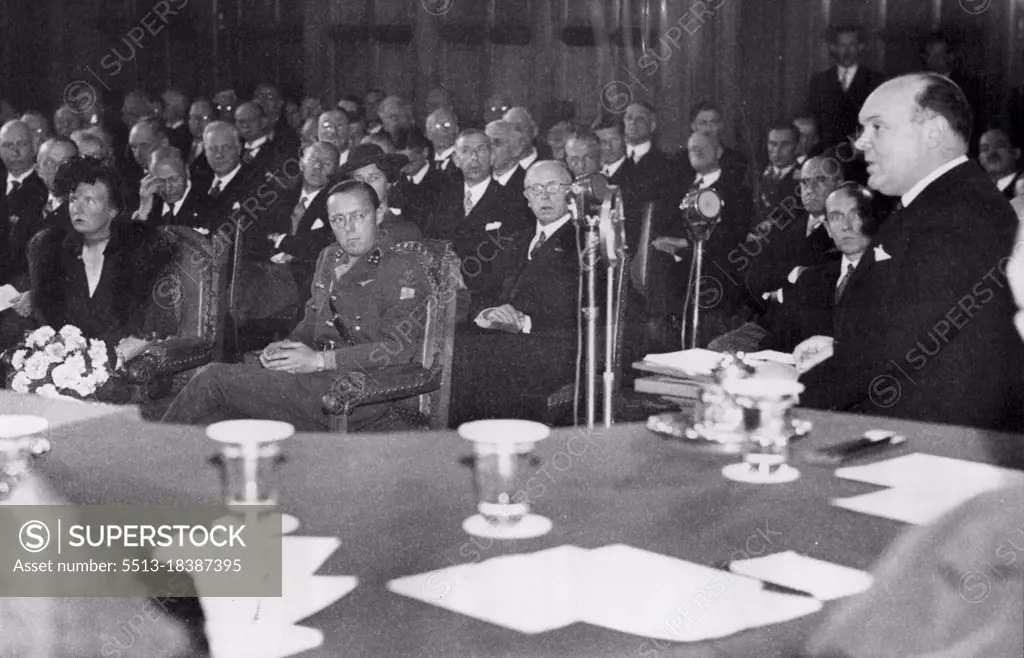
357, 388
168, 357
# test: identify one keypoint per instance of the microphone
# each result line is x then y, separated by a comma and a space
592, 187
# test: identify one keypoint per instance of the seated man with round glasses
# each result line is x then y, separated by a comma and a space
362, 316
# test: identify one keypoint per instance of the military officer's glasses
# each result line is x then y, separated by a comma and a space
551, 189
350, 221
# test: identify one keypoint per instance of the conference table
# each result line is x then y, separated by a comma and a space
397, 502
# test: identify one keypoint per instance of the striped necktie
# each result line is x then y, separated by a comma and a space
843, 282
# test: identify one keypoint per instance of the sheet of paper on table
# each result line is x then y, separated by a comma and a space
693, 362
616, 587
775, 357
824, 580
922, 487
7, 294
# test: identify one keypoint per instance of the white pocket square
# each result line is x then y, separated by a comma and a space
880, 254
317, 224
493, 226
201, 231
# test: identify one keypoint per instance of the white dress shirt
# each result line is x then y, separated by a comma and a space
813, 222
704, 181
476, 192
418, 177
53, 202
528, 160
636, 153
11, 178
504, 178
254, 146
444, 158
847, 266
226, 179
175, 125
610, 170
913, 192
1005, 181
846, 75
343, 158
547, 231
180, 202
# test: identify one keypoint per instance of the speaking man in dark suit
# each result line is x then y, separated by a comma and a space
478, 215
837, 93
521, 345
167, 195
925, 328
999, 156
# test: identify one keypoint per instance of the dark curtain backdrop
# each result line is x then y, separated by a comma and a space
753, 56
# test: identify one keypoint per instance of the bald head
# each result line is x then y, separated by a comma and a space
520, 117
442, 128
546, 188
222, 146
17, 148
912, 125
52, 154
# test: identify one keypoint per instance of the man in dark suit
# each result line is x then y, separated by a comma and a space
146, 136
706, 117
421, 185
442, 129
176, 109
167, 195
505, 166
524, 134
655, 176
230, 184
364, 294
620, 171
263, 156
925, 328
780, 179
999, 156
724, 293
583, 154
525, 314
810, 138
836, 94
793, 233
200, 114
479, 216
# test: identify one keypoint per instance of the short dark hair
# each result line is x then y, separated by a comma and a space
785, 124
607, 121
845, 28
644, 104
704, 106
352, 185
79, 170
1003, 127
945, 97
867, 205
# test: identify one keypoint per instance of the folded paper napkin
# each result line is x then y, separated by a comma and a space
617, 587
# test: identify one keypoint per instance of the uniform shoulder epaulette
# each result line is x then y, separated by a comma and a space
373, 258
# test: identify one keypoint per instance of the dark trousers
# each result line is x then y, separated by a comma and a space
229, 391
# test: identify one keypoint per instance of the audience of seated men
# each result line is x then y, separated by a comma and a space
999, 156
478, 215
521, 345
357, 320
804, 306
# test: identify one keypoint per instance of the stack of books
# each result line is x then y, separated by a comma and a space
679, 376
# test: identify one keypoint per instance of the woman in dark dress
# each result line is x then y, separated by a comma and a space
99, 273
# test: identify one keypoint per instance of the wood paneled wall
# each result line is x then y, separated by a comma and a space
753, 56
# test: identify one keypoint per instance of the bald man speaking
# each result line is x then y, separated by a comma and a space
925, 327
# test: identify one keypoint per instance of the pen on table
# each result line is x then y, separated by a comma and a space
868, 441
765, 585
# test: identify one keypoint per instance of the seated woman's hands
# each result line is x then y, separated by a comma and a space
290, 356
22, 304
813, 351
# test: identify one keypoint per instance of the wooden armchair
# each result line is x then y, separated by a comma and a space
419, 391
193, 290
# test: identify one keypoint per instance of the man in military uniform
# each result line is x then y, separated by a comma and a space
365, 314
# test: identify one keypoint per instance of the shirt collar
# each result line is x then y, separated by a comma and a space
613, 168
418, 177
476, 192
21, 179
343, 158
848, 265
256, 143
843, 69
638, 151
308, 196
707, 180
175, 125
504, 178
813, 222
552, 228
226, 179
445, 154
528, 160
54, 201
177, 205
1005, 181
913, 192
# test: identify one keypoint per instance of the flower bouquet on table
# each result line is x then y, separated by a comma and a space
60, 364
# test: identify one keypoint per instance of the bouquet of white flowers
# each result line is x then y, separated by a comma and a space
60, 363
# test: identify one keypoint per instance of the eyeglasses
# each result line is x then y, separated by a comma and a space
370, 179
351, 220
551, 189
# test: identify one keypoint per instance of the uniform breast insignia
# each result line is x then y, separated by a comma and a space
407, 293
363, 284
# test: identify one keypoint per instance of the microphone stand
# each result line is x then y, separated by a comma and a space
702, 210
590, 310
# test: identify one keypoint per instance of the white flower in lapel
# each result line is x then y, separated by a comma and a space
880, 254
